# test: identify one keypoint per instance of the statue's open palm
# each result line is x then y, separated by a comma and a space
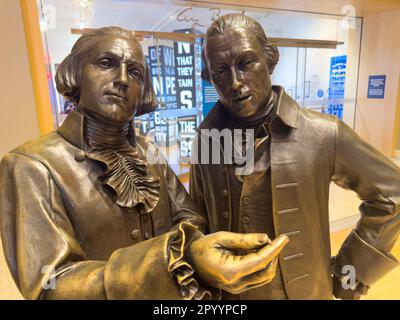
236, 262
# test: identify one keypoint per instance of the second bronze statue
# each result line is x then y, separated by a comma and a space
297, 153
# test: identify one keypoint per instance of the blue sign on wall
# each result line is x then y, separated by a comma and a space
210, 97
336, 84
376, 87
164, 85
188, 89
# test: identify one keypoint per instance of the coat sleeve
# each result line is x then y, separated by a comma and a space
189, 224
376, 180
44, 255
183, 208
196, 187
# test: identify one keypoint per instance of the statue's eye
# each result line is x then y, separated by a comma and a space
105, 63
248, 62
221, 69
136, 74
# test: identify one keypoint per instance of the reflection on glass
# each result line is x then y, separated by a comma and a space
318, 75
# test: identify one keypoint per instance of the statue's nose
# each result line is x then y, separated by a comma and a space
235, 80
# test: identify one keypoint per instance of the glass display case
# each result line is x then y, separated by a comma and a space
318, 65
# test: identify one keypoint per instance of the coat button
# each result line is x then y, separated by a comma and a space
245, 219
80, 156
135, 234
225, 214
147, 235
246, 200
225, 193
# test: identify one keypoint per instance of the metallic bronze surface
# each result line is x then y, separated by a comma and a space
307, 150
240, 271
84, 215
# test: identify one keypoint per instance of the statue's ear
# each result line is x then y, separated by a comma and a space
68, 78
272, 56
149, 98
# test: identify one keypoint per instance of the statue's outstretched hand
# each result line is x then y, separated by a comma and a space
236, 262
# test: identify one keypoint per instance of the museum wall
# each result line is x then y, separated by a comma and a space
18, 121
380, 52
398, 139
17, 114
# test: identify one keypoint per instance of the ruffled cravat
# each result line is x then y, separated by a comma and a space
126, 174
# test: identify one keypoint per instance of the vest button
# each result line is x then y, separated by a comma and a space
135, 234
225, 214
245, 219
147, 235
80, 156
225, 193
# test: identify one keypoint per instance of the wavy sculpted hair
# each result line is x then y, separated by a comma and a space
69, 72
235, 22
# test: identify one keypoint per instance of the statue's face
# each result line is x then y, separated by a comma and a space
112, 79
239, 71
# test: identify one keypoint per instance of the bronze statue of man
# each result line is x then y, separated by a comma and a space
297, 153
84, 215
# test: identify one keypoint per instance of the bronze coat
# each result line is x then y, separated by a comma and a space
308, 151
55, 214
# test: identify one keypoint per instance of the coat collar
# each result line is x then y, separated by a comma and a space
287, 111
72, 130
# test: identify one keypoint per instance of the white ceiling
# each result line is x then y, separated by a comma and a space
167, 16
338, 7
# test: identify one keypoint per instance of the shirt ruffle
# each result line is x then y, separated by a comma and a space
128, 176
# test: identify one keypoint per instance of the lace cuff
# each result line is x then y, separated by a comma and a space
181, 269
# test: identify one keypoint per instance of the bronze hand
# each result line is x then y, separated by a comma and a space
236, 262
